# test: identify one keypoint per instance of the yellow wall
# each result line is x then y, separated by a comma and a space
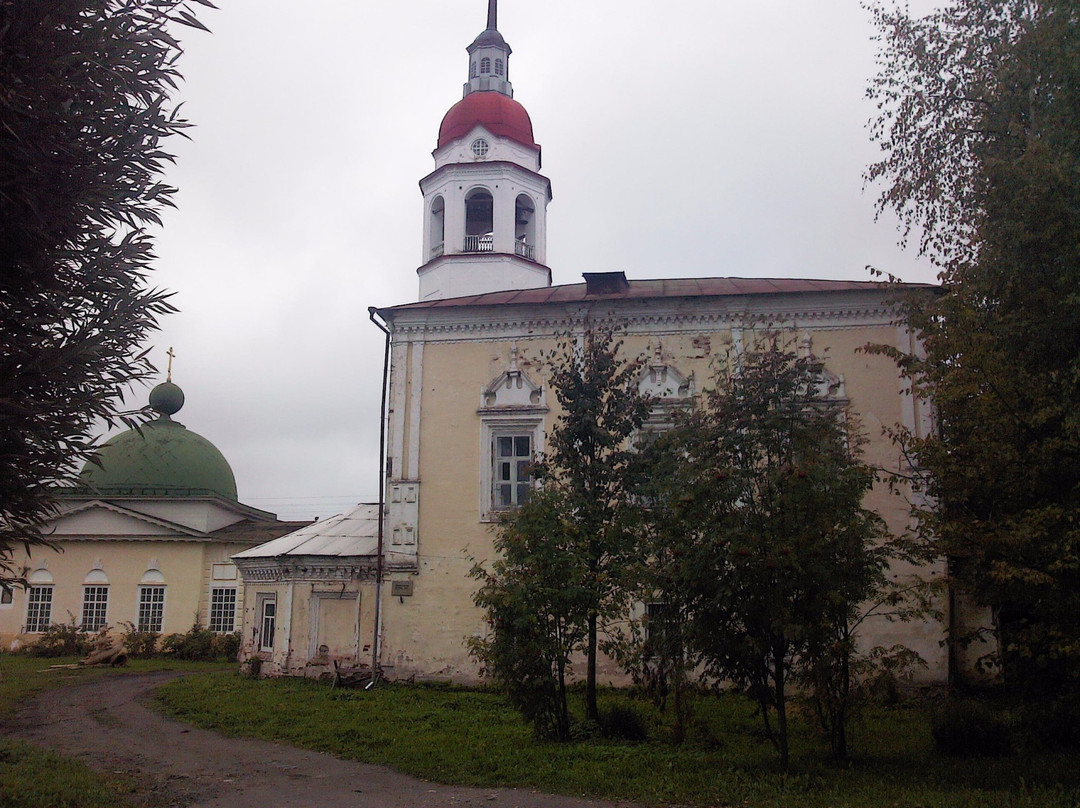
185, 565
425, 634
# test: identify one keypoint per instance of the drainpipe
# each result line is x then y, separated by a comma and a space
376, 644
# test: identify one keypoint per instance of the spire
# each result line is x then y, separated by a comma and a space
489, 59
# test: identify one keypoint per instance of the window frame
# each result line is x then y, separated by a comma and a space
265, 646
216, 608
40, 621
492, 429
95, 607
146, 623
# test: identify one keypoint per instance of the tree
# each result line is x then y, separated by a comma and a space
653, 649
533, 599
587, 457
84, 105
980, 126
778, 554
565, 553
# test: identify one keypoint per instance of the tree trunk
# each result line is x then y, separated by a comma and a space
591, 711
562, 720
781, 709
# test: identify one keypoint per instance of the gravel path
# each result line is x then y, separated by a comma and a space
106, 724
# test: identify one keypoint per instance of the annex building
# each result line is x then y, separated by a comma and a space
469, 404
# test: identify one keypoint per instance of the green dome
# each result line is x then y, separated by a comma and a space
164, 459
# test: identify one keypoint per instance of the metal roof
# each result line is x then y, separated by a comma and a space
355, 533
660, 288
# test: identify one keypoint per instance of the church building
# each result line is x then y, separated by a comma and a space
145, 539
469, 404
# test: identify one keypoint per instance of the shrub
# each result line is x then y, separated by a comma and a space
226, 646
965, 727
196, 645
1055, 722
624, 722
140, 644
62, 639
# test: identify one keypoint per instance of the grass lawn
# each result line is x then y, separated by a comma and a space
471, 737
31, 778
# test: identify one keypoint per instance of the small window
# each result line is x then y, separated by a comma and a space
268, 624
498, 67
7, 595
485, 66
472, 70
151, 608
480, 147
38, 608
223, 609
510, 478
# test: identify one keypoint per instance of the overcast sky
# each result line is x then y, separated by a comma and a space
682, 139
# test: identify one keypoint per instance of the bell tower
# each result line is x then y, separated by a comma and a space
485, 204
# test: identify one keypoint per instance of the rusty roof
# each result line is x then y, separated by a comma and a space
660, 288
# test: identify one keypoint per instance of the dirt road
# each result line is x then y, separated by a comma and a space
106, 724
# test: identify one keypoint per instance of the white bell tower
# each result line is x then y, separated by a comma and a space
485, 204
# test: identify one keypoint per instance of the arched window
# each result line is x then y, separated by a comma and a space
485, 66
472, 70
525, 227
437, 224
498, 67
95, 606
39, 599
151, 615
479, 219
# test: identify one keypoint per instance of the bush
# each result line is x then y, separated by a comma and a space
1054, 722
226, 646
201, 645
140, 644
62, 639
625, 723
971, 728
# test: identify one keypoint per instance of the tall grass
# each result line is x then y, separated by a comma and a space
472, 738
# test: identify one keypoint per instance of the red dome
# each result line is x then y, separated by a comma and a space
499, 114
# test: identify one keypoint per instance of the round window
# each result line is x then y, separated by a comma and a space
480, 147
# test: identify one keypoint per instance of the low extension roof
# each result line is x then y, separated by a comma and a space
662, 288
355, 533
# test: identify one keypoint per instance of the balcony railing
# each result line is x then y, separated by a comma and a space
478, 244
525, 250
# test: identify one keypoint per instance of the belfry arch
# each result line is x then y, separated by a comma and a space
479, 220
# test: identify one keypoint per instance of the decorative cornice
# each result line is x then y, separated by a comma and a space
485, 170
314, 570
493, 323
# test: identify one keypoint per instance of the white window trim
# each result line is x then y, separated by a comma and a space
210, 609
138, 603
262, 600
104, 620
26, 614
491, 428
